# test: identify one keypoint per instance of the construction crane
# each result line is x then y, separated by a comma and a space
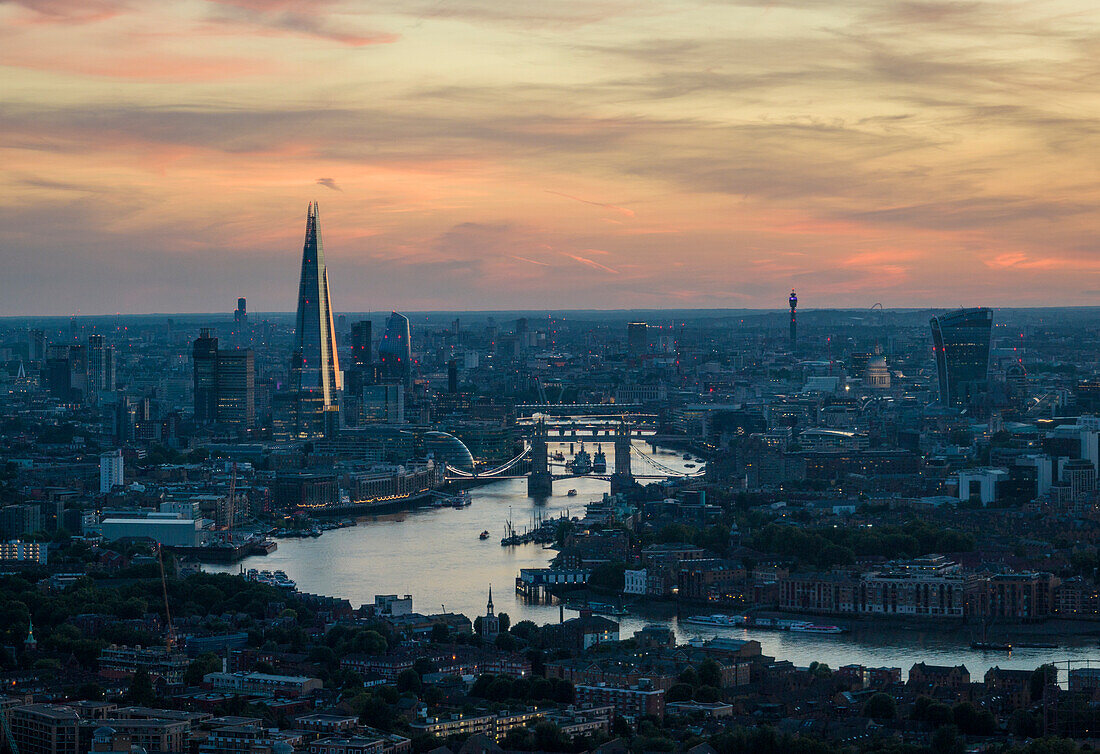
170, 633
231, 506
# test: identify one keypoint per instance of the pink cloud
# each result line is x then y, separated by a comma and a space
590, 262
621, 210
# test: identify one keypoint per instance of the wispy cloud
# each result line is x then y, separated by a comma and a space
329, 183
590, 262
621, 210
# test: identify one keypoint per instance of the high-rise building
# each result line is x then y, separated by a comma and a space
58, 372
101, 365
224, 384
110, 471
637, 338
240, 316
382, 404
315, 375
395, 350
361, 334
960, 342
204, 361
792, 301
236, 389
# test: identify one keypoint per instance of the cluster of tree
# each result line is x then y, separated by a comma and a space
505, 688
125, 599
702, 684
824, 547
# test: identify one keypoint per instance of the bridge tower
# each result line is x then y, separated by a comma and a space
623, 478
539, 481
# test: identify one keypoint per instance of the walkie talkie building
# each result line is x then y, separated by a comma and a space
960, 340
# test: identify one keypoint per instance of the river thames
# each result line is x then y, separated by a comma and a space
435, 555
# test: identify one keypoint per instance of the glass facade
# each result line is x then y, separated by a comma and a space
960, 340
395, 350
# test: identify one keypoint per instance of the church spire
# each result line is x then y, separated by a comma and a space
490, 605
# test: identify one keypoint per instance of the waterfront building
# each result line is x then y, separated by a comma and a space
960, 343
171, 531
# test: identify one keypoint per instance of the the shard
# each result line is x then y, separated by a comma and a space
315, 364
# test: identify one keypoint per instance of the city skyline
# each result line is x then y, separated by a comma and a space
679, 155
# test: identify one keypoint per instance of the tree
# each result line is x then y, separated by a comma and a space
409, 680
680, 692
946, 740
710, 673
141, 690
880, 707
707, 694
207, 662
689, 676
1041, 677
504, 622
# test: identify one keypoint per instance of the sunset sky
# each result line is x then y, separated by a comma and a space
158, 156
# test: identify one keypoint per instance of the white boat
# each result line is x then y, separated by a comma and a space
718, 621
814, 628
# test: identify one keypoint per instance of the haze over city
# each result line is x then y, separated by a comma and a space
159, 156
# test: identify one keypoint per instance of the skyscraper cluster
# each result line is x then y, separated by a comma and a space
80, 372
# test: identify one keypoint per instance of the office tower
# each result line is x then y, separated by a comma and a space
960, 342
110, 471
204, 360
361, 334
395, 350
58, 372
240, 316
225, 384
452, 376
78, 373
315, 375
101, 365
36, 350
236, 389
792, 301
382, 404
637, 338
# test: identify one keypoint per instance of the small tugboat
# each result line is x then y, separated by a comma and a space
484, 534
990, 646
571, 493
559, 456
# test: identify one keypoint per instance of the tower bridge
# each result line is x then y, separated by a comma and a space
534, 462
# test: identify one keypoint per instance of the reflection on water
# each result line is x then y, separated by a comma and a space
435, 555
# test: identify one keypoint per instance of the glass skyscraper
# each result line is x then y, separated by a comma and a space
960, 340
315, 375
395, 350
